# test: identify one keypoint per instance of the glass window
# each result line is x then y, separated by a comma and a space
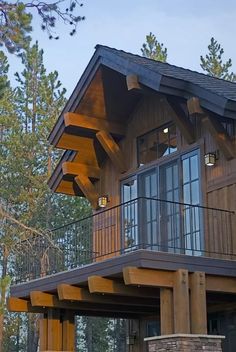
156, 144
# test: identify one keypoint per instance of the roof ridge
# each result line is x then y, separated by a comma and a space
164, 63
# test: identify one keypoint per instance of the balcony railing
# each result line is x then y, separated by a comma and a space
142, 223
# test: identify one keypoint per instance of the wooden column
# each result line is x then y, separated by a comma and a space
198, 309
43, 332
166, 311
181, 303
54, 330
68, 331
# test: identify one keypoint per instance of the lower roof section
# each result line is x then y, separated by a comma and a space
113, 268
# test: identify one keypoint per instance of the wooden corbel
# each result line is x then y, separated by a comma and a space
113, 150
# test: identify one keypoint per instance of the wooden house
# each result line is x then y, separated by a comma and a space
152, 147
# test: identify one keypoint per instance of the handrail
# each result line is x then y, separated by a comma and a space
135, 200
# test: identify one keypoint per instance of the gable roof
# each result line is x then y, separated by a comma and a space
216, 95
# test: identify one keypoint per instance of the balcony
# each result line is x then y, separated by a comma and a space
143, 223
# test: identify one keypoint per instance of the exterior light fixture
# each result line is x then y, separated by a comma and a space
166, 130
210, 159
102, 201
130, 339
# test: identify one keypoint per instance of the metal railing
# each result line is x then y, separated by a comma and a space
142, 223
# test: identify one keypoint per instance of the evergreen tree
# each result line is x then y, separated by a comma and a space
153, 49
213, 62
16, 17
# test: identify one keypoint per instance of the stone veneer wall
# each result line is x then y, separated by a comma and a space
184, 343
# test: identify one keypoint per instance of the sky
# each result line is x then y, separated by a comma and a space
183, 26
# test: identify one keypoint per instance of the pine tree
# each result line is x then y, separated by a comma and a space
153, 49
16, 19
213, 62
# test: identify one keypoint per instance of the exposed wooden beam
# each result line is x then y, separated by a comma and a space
132, 82
220, 136
166, 311
113, 150
194, 107
83, 145
147, 277
221, 284
78, 294
181, 302
221, 307
15, 304
182, 121
74, 169
43, 299
93, 124
98, 284
88, 189
198, 303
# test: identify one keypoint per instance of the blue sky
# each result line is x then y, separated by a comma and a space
184, 26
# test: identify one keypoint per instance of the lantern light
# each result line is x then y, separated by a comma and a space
210, 159
102, 201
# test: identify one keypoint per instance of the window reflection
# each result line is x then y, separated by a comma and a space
156, 144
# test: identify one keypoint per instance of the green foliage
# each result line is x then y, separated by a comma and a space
153, 49
4, 83
16, 18
213, 62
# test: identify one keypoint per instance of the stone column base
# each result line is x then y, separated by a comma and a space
184, 343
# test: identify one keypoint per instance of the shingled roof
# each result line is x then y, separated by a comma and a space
216, 95
177, 80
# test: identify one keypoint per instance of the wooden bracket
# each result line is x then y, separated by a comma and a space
132, 82
220, 136
182, 121
112, 149
93, 124
88, 189
74, 169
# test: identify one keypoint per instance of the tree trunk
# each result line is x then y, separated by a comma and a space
3, 294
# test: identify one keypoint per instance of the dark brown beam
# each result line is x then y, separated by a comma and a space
182, 121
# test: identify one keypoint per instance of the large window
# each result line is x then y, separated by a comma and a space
167, 216
156, 144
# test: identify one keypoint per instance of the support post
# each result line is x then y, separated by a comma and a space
198, 303
54, 330
166, 311
181, 302
68, 332
43, 332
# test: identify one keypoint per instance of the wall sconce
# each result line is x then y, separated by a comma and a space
210, 159
130, 339
102, 201
166, 130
